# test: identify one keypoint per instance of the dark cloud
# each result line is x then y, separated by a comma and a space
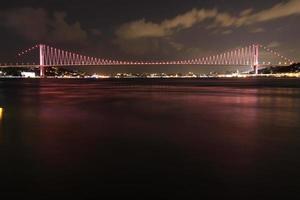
27, 22
143, 36
38, 25
257, 30
280, 10
62, 31
142, 28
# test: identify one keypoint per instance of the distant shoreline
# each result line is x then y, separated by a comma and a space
273, 76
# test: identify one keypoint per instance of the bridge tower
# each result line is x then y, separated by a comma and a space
255, 58
42, 60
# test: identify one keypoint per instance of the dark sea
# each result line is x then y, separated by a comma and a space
150, 138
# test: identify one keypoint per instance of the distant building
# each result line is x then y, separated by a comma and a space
28, 74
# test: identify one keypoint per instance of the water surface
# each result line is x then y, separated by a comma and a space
230, 138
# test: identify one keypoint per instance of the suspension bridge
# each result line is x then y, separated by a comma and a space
55, 57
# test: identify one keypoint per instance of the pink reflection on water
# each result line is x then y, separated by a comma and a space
183, 116
217, 125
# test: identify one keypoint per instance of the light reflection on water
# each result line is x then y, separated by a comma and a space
1, 113
84, 136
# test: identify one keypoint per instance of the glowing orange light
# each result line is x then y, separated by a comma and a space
1, 113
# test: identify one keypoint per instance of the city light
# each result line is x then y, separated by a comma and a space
1, 113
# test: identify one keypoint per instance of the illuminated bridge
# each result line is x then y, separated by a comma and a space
54, 57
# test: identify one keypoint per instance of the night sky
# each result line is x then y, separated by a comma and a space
147, 30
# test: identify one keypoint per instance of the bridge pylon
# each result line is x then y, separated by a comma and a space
42, 60
255, 58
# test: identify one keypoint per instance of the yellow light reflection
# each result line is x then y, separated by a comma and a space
1, 113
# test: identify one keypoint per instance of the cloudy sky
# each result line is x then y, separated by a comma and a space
156, 29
